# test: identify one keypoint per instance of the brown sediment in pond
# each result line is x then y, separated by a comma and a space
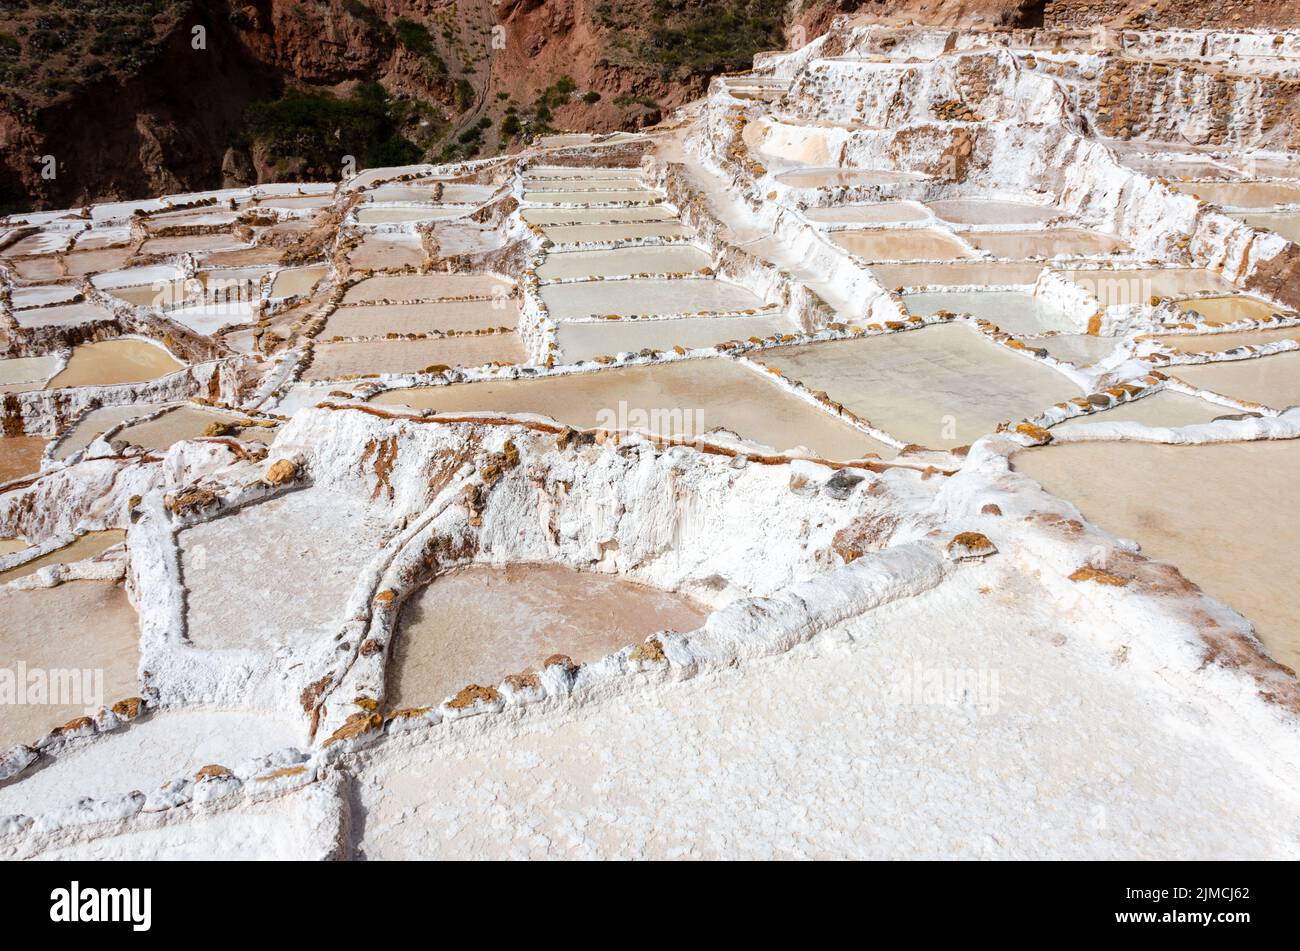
333, 360
1273, 381
481, 624
1046, 243
20, 456
162, 294
688, 399
1199, 508
85, 546
81, 627
893, 244
110, 362
942, 386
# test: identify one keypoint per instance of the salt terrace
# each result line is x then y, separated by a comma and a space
899, 419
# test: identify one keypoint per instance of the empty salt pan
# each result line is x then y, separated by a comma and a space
958, 272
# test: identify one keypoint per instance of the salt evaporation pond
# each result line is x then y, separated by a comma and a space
413, 287
297, 280
1120, 286
384, 215
1079, 349
375, 320
1231, 308
263, 551
646, 296
845, 177
665, 259
20, 456
387, 252
173, 426
84, 546
563, 216
67, 315
45, 628
480, 624
1273, 381
988, 211
581, 234
334, 360
153, 750
913, 244
1214, 343
1015, 312
1048, 243
1199, 508
869, 213
942, 386
21, 374
686, 399
1163, 409
609, 196
1242, 194
110, 362
956, 273
585, 340
1285, 223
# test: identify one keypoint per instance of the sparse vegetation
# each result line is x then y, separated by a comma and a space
319, 129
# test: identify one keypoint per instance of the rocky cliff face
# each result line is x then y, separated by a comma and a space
102, 100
